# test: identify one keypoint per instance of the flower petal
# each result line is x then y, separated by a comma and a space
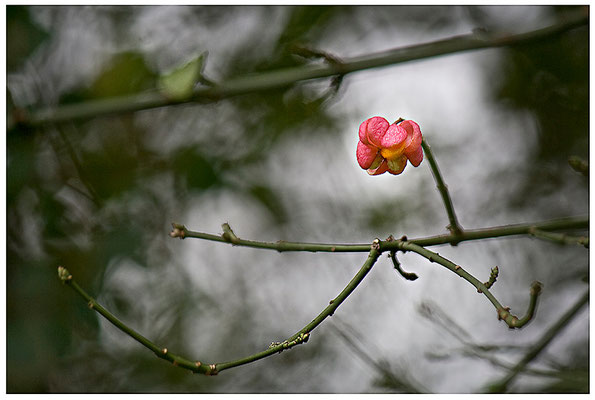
394, 136
372, 130
397, 165
416, 156
365, 155
413, 134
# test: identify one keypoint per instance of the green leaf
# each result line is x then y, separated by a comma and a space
126, 73
179, 82
23, 36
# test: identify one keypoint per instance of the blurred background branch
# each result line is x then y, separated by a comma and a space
270, 80
502, 385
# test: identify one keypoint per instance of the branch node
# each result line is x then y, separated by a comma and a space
228, 234
212, 371
376, 244
493, 277
536, 288
503, 313
64, 275
178, 231
305, 337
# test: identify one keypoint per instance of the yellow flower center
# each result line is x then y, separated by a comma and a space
392, 153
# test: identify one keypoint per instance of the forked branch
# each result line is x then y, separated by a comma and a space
300, 337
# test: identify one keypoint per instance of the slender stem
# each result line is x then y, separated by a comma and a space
506, 230
195, 366
561, 238
541, 344
303, 335
397, 380
503, 312
454, 227
410, 276
180, 231
285, 77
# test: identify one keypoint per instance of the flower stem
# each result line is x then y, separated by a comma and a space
454, 227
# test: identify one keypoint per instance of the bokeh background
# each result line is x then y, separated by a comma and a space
98, 196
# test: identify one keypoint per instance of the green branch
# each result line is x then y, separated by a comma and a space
301, 336
454, 227
503, 312
180, 231
402, 244
561, 238
375, 250
286, 77
502, 385
161, 352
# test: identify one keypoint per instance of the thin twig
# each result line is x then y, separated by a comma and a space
454, 227
471, 348
180, 231
304, 333
502, 385
503, 312
286, 77
195, 366
560, 238
410, 276
388, 245
301, 336
398, 379
78, 166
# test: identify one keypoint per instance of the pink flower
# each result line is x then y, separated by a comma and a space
383, 147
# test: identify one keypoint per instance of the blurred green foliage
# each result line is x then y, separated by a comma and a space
95, 193
25, 36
